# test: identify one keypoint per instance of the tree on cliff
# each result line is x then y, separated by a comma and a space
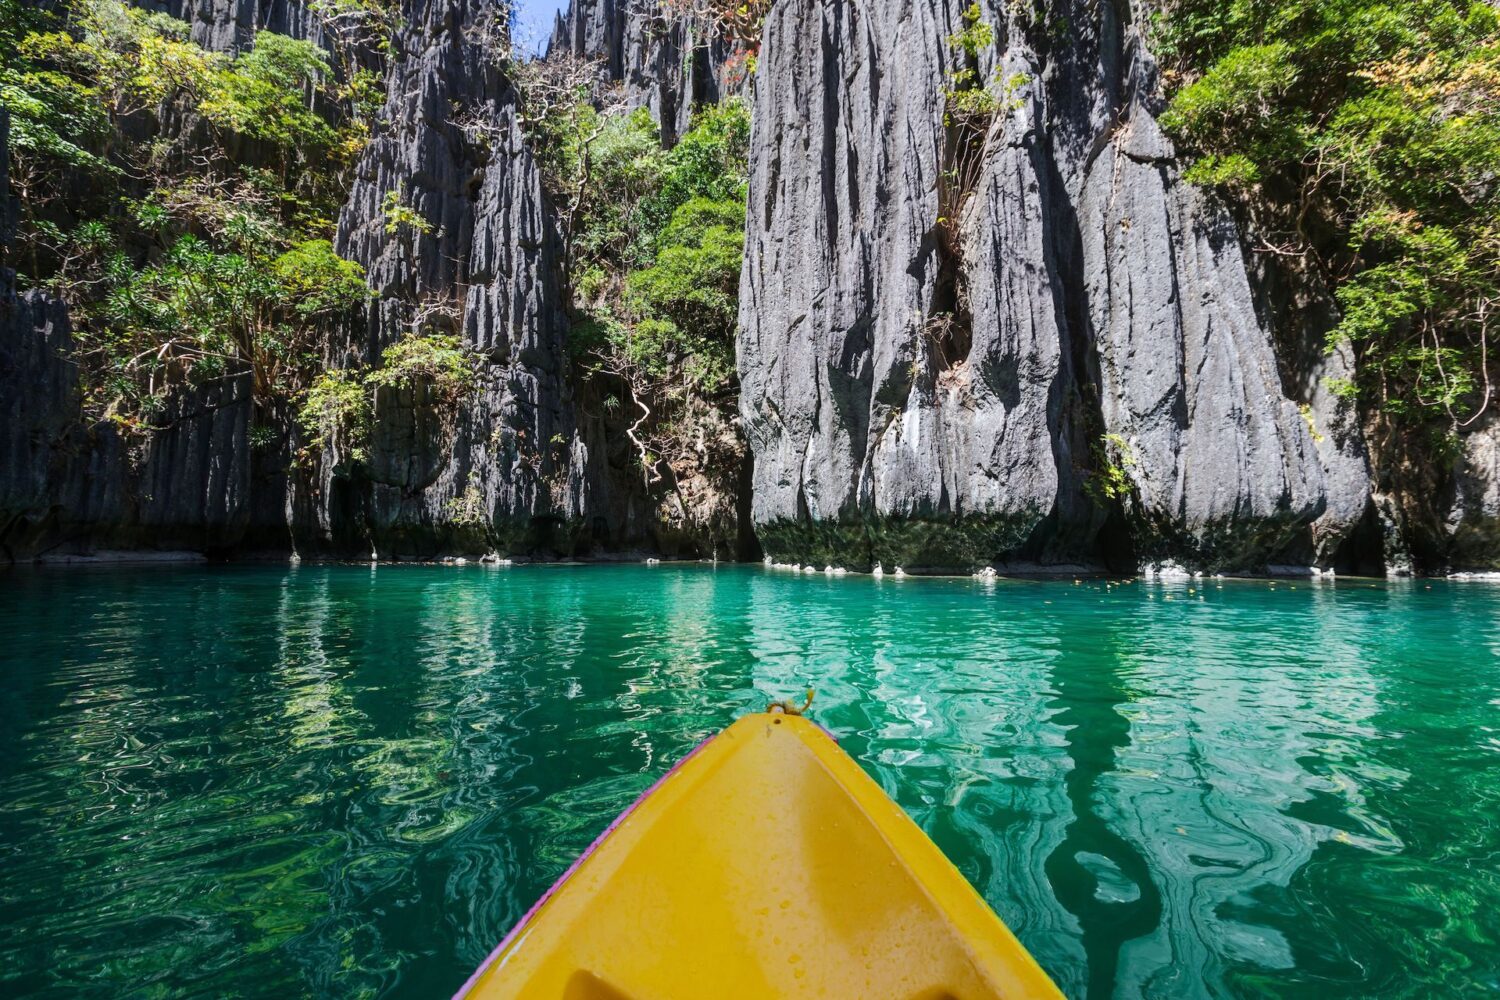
1368, 133
179, 200
653, 243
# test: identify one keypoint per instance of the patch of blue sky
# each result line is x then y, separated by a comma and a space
533, 23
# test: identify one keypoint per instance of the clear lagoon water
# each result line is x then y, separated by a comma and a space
266, 781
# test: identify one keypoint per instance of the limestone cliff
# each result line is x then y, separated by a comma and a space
508, 469
479, 265
1088, 365
664, 63
1109, 393
520, 467
230, 25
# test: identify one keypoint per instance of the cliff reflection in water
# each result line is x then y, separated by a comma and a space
270, 781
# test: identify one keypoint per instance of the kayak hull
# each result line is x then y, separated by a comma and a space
765, 864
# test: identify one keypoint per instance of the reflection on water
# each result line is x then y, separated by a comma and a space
267, 781
1099, 875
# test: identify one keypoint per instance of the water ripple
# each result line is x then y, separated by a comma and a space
264, 781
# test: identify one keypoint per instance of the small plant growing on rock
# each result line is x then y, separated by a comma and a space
438, 359
262, 437
467, 509
1113, 460
971, 106
352, 27
944, 332
1312, 427
335, 408
400, 216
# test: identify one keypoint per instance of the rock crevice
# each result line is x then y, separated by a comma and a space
1110, 367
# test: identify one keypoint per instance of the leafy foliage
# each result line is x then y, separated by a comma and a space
336, 408
261, 94
401, 217
181, 262
975, 36
709, 161
316, 280
467, 510
662, 240
199, 312
1379, 122
438, 360
1113, 459
687, 303
655, 245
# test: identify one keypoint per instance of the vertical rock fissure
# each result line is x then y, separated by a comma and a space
1075, 411
949, 328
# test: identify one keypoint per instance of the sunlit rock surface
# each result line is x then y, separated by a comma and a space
1109, 320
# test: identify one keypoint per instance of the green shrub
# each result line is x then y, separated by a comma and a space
709, 161
315, 281
696, 216
653, 244
179, 264
263, 94
976, 34
1240, 97
467, 510
694, 286
336, 407
1213, 170
616, 225
1113, 460
439, 360
1374, 126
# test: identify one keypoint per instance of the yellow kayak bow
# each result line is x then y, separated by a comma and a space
765, 864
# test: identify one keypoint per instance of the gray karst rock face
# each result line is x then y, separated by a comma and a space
1293, 301
1474, 519
1080, 362
480, 264
504, 466
230, 25
515, 465
45, 451
1109, 320
665, 64
866, 433
1223, 469
68, 486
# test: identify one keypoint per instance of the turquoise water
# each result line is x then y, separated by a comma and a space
350, 781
